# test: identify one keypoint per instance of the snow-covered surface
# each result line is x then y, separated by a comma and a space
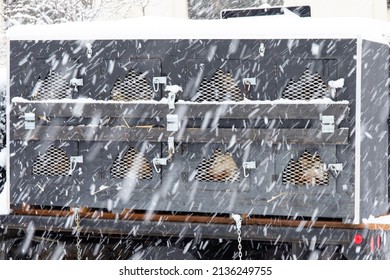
273, 27
377, 220
3, 157
3, 79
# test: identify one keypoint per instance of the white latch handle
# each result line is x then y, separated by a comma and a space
248, 165
74, 82
74, 160
157, 81
159, 161
336, 168
248, 82
173, 90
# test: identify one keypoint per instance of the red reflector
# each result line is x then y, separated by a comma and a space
378, 242
372, 244
358, 239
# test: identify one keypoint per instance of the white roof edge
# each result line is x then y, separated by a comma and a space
267, 27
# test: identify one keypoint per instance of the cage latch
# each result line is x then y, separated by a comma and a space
328, 125
74, 82
248, 82
335, 168
173, 90
157, 81
29, 120
74, 160
247, 165
334, 85
164, 161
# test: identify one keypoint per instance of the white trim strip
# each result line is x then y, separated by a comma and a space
358, 108
5, 195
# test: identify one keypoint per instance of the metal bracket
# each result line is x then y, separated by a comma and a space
328, 125
29, 120
89, 49
74, 160
171, 145
171, 100
246, 165
165, 160
262, 49
157, 81
74, 82
172, 122
335, 168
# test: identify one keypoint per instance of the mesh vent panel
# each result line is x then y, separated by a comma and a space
309, 86
219, 167
52, 163
131, 165
54, 86
308, 170
133, 87
221, 87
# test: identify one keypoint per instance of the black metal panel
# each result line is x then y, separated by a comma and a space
302, 11
31, 179
118, 175
374, 129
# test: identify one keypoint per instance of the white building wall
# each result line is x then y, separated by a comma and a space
349, 8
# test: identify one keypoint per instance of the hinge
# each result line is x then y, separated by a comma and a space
328, 125
29, 120
172, 122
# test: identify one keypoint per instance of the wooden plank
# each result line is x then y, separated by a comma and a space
193, 218
188, 135
184, 110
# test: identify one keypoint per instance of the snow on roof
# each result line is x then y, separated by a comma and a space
266, 27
